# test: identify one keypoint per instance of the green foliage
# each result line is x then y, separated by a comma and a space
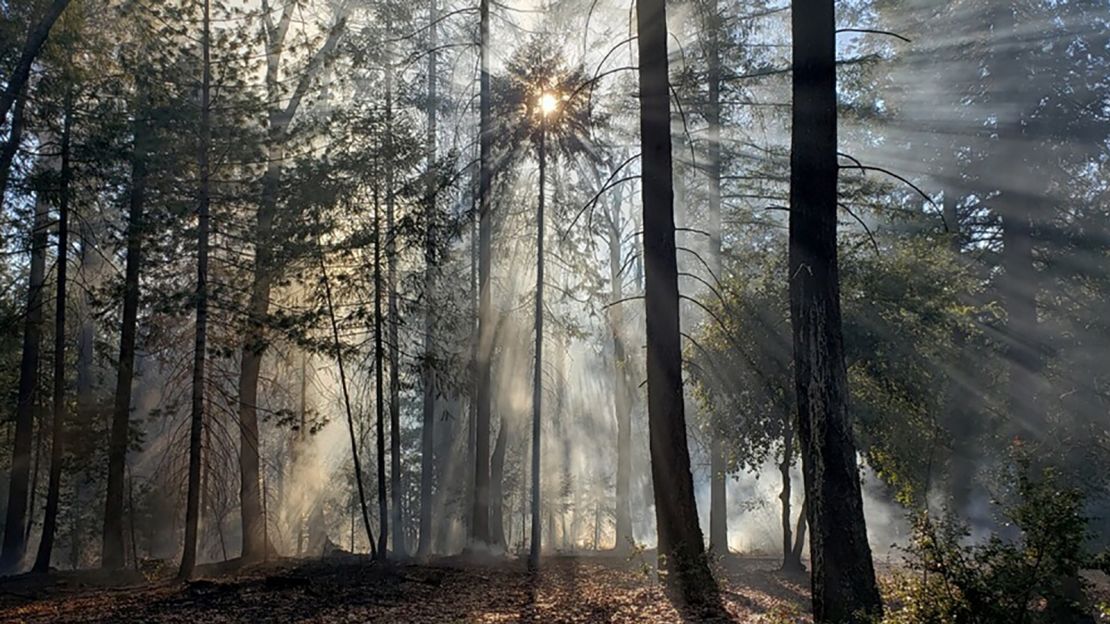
902, 310
1032, 578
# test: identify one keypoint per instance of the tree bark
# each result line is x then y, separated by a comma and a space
350, 418
537, 370
497, 486
57, 433
192, 504
800, 535
398, 535
718, 503
112, 555
255, 545
843, 577
379, 386
622, 391
680, 539
16, 519
11, 146
31, 48
427, 432
479, 524
791, 558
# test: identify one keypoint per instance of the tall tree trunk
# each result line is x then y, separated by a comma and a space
800, 535
280, 116
112, 555
479, 524
428, 420
350, 418
537, 371
296, 448
718, 505
250, 498
31, 48
40, 441
472, 405
497, 486
88, 401
57, 433
844, 587
622, 392
379, 385
395, 490
16, 519
11, 146
58, 424
192, 504
791, 560
680, 537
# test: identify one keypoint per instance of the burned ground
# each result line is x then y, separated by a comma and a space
566, 589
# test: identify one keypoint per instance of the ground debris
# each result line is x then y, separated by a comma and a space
566, 589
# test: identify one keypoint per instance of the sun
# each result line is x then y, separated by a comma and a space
548, 103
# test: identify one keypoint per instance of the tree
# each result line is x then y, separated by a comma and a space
479, 522
547, 106
681, 548
284, 106
379, 383
112, 557
844, 588
196, 420
15, 83
58, 426
622, 386
15, 538
428, 398
393, 314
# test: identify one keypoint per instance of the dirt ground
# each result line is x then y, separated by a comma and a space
566, 589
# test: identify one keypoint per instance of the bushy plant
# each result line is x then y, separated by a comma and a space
1033, 578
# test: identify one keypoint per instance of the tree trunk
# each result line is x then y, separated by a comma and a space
255, 544
112, 556
379, 386
192, 505
497, 486
427, 433
718, 505
472, 404
622, 391
799, 537
537, 371
40, 410
680, 539
791, 559
479, 525
395, 490
350, 418
11, 146
57, 451
296, 448
844, 587
15, 543
31, 48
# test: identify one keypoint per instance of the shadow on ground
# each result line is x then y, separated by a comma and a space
353, 589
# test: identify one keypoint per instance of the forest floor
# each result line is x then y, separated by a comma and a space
588, 588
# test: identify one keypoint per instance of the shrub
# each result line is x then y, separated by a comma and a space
1031, 579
